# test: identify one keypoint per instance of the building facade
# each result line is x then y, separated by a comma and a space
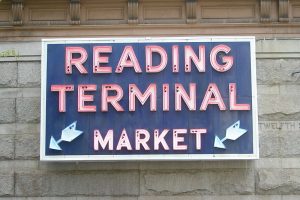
274, 23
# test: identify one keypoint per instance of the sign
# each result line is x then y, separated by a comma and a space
170, 98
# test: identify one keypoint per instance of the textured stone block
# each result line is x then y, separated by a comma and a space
7, 110
212, 197
267, 89
273, 104
6, 93
195, 165
22, 48
6, 147
275, 48
7, 128
105, 183
280, 144
27, 128
234, 181
290, 146
269, 145
278, 181
6, 184
291, 197
107, 198
15, 128
72, 198
28, 109
278, 71
8, 75
281, 125
8, 166
27, 146
29, 74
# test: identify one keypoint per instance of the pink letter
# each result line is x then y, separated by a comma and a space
228, 60
105, 99
163, 59
160, 139
166, 99
177, 138
175, 58
135, 92
83, 98
180, 93
212, 96
128, 59
98, 139
198, 133
98, 59
62, 89
190, 55
124, 141
78, 62
141, 141
232, 99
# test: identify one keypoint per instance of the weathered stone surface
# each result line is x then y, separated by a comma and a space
8, 75
40, 198
28, 109
8, 166
16, 128
6, 147
278, 181
234, 181
268, 89
73, 198
195, 165
278, 71
284, 104
27, 146
7, 110
277, 46
27, 128
105, 183
269, 145
29, 74
6, 184
290, 145
19, 92
22, 48
279, 99
107, 198
282, 144
212, 197
278, 163
290, 197
281, 125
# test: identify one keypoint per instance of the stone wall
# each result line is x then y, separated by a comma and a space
275, 176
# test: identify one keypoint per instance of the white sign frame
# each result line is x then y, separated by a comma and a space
149, 157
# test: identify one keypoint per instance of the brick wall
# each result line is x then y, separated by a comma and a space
275, 176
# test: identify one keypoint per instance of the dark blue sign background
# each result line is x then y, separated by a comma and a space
214, 120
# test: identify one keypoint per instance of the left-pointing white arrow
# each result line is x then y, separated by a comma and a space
54, 145
68, 134
233, 132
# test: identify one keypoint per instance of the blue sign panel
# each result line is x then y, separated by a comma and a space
167, 98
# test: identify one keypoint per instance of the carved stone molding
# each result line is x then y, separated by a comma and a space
17, 12
133, 10
75, 11
265, 10
191, 7
283, 10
